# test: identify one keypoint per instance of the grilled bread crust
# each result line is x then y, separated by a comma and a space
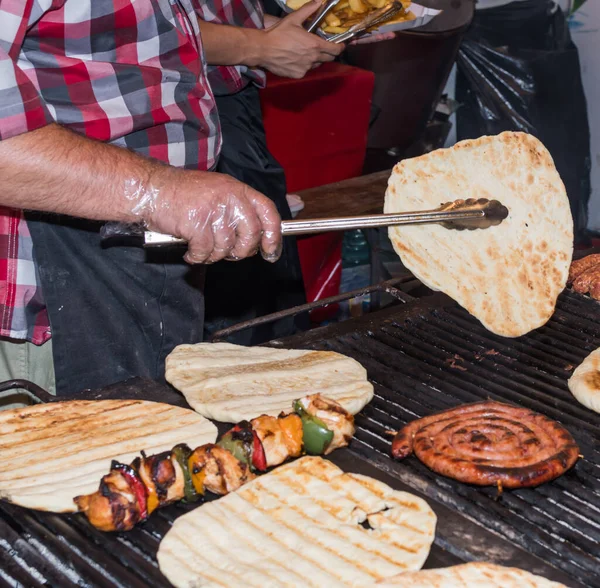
510, 275
50, 453
300, 525
232, 383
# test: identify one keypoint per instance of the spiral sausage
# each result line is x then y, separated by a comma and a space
489, 443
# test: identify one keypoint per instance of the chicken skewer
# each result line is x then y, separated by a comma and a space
129, 494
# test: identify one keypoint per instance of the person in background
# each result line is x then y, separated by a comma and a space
519, 70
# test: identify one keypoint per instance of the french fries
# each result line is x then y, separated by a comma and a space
296, 4
358, 6
332, 20
347, 13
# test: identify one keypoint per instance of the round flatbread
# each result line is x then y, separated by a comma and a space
510, 275
480, 574
300, 525
231, 383
584, 383
50, 453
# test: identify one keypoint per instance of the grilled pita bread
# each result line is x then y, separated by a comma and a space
481, 575
50, 453
584, 383
510, 275
231, 383
300, 525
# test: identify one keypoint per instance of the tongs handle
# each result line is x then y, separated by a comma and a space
460, 214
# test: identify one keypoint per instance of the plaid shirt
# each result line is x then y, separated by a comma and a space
225, 80
128, 72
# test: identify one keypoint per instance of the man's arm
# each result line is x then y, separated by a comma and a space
48, 168
285, 48
55, 170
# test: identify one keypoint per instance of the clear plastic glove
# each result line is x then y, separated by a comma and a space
288, 50
218, 216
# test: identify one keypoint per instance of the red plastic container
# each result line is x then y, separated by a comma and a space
317, 129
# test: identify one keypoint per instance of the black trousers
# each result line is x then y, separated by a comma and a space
115, 311
238, 291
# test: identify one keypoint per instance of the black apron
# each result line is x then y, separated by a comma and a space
238, 291
519, 70
115, 311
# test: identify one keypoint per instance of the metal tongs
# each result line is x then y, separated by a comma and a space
459, 215
321, 14
371, 20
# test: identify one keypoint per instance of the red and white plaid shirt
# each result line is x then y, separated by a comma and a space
129, 72
225, 80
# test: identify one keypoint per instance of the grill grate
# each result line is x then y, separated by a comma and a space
442, 357
64, 551
424, 356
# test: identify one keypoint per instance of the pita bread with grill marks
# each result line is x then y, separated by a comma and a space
300, 525
50, 453
231, 383
584, 382
479, 574
510, 275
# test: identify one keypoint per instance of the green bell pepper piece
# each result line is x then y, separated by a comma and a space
182, 454
316, 437
236, 447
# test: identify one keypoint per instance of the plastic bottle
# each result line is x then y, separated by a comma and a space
355, 249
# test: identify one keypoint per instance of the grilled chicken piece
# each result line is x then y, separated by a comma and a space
334, 415
113, 507
163, 478
223, 473
281, 437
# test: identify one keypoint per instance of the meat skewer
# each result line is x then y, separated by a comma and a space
489, 444
129, 494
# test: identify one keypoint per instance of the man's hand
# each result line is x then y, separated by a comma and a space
220, 217
289, 51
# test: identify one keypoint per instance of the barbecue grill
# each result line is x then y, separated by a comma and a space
423, 355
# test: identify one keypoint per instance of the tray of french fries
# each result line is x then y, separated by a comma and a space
348, 13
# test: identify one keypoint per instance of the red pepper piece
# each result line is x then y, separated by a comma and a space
259, 461
136, 485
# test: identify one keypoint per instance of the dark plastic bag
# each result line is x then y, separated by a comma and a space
519, 70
